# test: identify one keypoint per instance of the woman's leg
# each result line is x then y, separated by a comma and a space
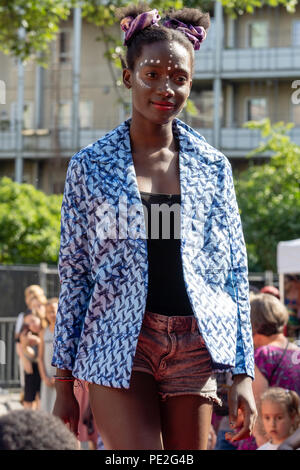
186, 421
128, 419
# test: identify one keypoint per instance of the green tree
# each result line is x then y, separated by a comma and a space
269, 195
41, 18
40, 21
29, 224
236, 8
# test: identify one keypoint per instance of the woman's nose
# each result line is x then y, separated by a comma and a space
165, 89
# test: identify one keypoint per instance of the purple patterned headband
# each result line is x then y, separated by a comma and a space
196, 34
130, 25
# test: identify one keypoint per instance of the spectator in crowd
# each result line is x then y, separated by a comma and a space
37, 304
29, 293
276, 358
292, 302
276, 361
29, 343
292, 442
279, 411
272, 290
45, 353
34, 430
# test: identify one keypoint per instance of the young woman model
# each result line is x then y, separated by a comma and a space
147, 321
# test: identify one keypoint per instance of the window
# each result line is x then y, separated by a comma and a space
86, 114
258, 34
64, 46
256, 109
296, 33
204, 102
27, 115
296, 114
64, 115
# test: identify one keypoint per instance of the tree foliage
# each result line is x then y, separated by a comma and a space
29, 224
269, 195
40, 19
236, 8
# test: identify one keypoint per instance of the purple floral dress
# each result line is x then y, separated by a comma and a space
287, 375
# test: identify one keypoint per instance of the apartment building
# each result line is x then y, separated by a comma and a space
245, 70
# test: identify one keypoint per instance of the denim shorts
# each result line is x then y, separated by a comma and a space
173, 351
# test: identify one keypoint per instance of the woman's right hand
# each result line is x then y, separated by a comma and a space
66, 406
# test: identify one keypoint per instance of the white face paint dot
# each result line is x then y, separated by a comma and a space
146, 60
169, 68
141, 64
176, 66
158, 61
151, 61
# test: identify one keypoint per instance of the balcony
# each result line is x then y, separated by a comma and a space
45, 144
237, 142
250, 63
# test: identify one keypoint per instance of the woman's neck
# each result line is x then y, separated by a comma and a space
147, 137
262, 340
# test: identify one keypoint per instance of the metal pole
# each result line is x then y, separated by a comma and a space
43, 276
217, 85
77, 23
19, 117
38, 117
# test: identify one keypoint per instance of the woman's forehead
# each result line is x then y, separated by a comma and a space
166, 52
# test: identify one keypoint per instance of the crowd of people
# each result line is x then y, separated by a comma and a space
34, 346
276, 385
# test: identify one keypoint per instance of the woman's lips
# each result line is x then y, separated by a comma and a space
163, 105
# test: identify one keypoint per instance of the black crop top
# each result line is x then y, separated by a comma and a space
166, 290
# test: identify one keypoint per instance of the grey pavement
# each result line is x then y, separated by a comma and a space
9, 400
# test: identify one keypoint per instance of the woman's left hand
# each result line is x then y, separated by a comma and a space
240, 396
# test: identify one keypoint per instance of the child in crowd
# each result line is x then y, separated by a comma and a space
29, 343
37, 304
280, 414
45, 354
29, 293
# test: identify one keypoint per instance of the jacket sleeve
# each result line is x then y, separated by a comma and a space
239, 265
73, 267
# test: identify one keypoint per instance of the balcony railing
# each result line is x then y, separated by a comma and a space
250, 62
47, 141
236, 140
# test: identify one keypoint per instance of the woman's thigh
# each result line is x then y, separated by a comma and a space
186, 421
128, 419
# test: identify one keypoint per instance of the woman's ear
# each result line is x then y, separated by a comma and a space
127, 76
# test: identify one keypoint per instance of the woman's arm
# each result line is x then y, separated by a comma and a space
74, 267
27, 350
240, 393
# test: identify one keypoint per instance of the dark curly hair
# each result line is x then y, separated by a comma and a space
34, 430
153, 34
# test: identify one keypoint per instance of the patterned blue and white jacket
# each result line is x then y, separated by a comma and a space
104, 280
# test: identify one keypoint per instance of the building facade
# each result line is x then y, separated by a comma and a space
247, 69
